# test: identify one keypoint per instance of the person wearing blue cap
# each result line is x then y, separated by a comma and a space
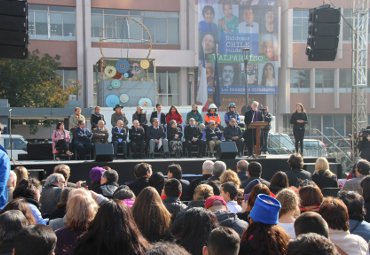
263, 235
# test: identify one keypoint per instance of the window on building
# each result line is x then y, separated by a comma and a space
345, 78
300, 25
300, 78
68, 76
168, 87
113, 25
52, 22
347, 25
324, 78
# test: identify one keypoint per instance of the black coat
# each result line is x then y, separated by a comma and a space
192, 132
156, 133
298, 116
295, 176
171, 132
213, 133
325, 181
141, 117
230, 132
364, 147
137, 134
252, 116
94, 119
138, 185
155, 115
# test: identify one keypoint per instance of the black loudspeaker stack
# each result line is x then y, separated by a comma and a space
13, 29
227, 150
323, 33
104, 152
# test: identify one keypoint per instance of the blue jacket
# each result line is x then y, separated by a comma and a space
361, 228
4, 176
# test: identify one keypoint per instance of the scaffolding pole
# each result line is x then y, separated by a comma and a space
359, 70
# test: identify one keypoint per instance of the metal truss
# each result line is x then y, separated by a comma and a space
359, 69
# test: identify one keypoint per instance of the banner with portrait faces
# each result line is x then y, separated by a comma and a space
225, 28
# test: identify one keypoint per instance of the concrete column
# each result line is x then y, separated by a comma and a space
88, 70
80, 50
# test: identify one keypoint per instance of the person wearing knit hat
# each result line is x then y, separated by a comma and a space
263, 235
213, 201
95, 175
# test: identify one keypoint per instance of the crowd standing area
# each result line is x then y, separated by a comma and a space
222, 212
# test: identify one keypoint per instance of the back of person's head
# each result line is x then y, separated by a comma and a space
223, 241
311, 222
242, 166
156, 220
202, 192
21, 172
255, 169
11, 223
21, 205
96, 173
39, 239
173, 188
81, 210
230, 176
64, 170
355, 204
363, 167
321, 164
219, 167
279, 180
296, 161
310, 195
55, 179
365, 184
197, 225
207, 167
29, 189
311, 243
256, 190
231, 188
124, 233
175, 170
123, 192
111, 176
166, 248
335, 212
143, 170
289, 201
157, 181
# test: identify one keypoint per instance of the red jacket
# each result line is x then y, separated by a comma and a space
174, 116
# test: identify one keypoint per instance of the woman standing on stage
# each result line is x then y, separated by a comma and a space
299, 120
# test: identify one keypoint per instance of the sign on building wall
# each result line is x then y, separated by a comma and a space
126, 82
225, 28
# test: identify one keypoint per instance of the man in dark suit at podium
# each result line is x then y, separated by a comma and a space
251, 116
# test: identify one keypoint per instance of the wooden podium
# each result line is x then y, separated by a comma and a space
257, 126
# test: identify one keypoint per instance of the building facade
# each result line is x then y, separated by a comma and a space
73, 29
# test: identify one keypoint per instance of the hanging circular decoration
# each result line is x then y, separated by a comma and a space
111, 100
145, 102
116, 84
145, 64
117, 76
124, 98
136, 70
122, 65
110, 71
126, 75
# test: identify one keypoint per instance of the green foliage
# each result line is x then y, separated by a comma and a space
33, 82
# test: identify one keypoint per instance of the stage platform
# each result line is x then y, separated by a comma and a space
80, 168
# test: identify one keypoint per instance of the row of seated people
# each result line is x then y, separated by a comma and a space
138, 140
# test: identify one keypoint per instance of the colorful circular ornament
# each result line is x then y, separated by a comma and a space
145, 102
126, 75
124, 98
116, 84
122, 65
145, 64
111, 100
117, 76
110, 71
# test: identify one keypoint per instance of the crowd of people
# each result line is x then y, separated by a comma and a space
167, 134
220, 212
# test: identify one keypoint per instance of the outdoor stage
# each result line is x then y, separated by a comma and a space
80, 169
